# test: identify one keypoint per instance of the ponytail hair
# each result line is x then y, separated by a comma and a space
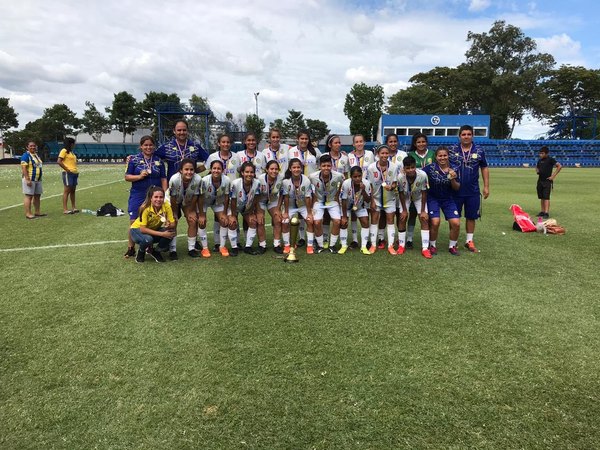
310, 146
148, 199
330, 138
288, 172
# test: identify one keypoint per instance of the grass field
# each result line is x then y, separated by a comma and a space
491, 350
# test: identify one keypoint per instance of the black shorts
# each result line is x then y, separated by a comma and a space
544, 187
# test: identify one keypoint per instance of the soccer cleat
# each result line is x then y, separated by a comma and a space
342, 249
354, 244
380, 244
310, 250
301, 243
250, 251
426, 253
325, 245
391, 250
234, 251
261, 250
365, 251
173, 256
453, 251
471, 247
409, 245
400, 250
141, 256
540, 214
193, 253
155, 255
319, 249
205, 253
278, 249
333, 250
216, 248
546, 216
286, 250
372, 249
223, 251
197, 246
433, 250
130, 252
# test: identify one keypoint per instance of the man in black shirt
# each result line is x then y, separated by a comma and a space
544, 168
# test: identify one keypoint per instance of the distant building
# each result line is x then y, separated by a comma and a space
437, 126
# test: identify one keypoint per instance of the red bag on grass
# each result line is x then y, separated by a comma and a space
522, 221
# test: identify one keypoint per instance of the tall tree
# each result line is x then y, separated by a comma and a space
363, 106
278, 124
58, 122
124, 113
94, 122
294, 122
8, 116
256, 125
147, 112
317, 128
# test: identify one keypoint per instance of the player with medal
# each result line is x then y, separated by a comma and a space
361, 158
443, 182
243, 199
214, 194
276, 151
270, 200
382, 176
297, 199
355, 197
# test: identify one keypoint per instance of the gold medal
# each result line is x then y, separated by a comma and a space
449, 176
355, 208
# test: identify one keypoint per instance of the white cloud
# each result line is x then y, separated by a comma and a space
362, 73
479, 5
362, 25
564, 49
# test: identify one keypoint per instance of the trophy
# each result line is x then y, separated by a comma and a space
294, 224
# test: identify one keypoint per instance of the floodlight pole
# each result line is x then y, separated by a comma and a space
256, 94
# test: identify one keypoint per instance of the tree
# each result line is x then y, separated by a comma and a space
8, 116
317, 128
94, 122
255, 125
148, 116
58, 122
294, 122
278, 124
124, 113
574, 94
363, 106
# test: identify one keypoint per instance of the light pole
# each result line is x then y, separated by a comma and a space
256, 94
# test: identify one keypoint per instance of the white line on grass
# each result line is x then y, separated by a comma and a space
59, 195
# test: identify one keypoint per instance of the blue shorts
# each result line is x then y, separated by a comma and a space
471, 206
70, 179
446, 205
135, 201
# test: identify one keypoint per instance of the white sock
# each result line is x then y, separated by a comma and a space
373, 234
452, 244
469, 237
173, 245
233, 238
432, 243
320, 241
402, 238
310, 238
191, 243
333, 240
250, 235
410, 232
364, 237
344, 237
286, 238
424, 239
325, 233
223, 236
380, 233
276, 242
390, 234
263, 244
203, 237
354, 227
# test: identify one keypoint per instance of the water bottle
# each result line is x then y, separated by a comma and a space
88, 211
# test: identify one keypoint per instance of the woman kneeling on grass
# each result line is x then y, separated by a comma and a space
155, 223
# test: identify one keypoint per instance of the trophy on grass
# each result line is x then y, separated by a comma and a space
294, 224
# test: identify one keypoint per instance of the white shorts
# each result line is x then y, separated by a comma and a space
302, 211
266, 207
333, 208
417, 204
215, 208
34, 189
362, 212
388, 209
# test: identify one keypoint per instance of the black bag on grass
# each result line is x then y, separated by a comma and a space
108, 209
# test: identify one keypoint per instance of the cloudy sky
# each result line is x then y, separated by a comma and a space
302, 55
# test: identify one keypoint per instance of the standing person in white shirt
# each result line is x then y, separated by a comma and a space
270, 200
250, 154
243, 199
276, 150
297, 199
361, 158
355, 197
184, 189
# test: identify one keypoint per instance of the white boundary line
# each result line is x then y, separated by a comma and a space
59, 195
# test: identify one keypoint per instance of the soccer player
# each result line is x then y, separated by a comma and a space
143, 171
339, 164
155, 223
184, 189
276, 150
326, 189
31, 173
545, 179
470, 159
249, 154
214, 193
443, 183
412, 187
361, 158
179, 148
67, 160
383, 178
270, 200
355, 196
243, 199
297, 199
423, 156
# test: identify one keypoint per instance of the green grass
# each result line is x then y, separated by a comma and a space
491, 350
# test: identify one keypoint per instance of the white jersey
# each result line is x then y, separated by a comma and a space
413, 191
398, 159
184, 194
269, 194
353, 197
228, 169
376, 176
309, 161
245, 199
297, 194
340, 165
241, 157
214, 195
363, 161
280, 156
326, 192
